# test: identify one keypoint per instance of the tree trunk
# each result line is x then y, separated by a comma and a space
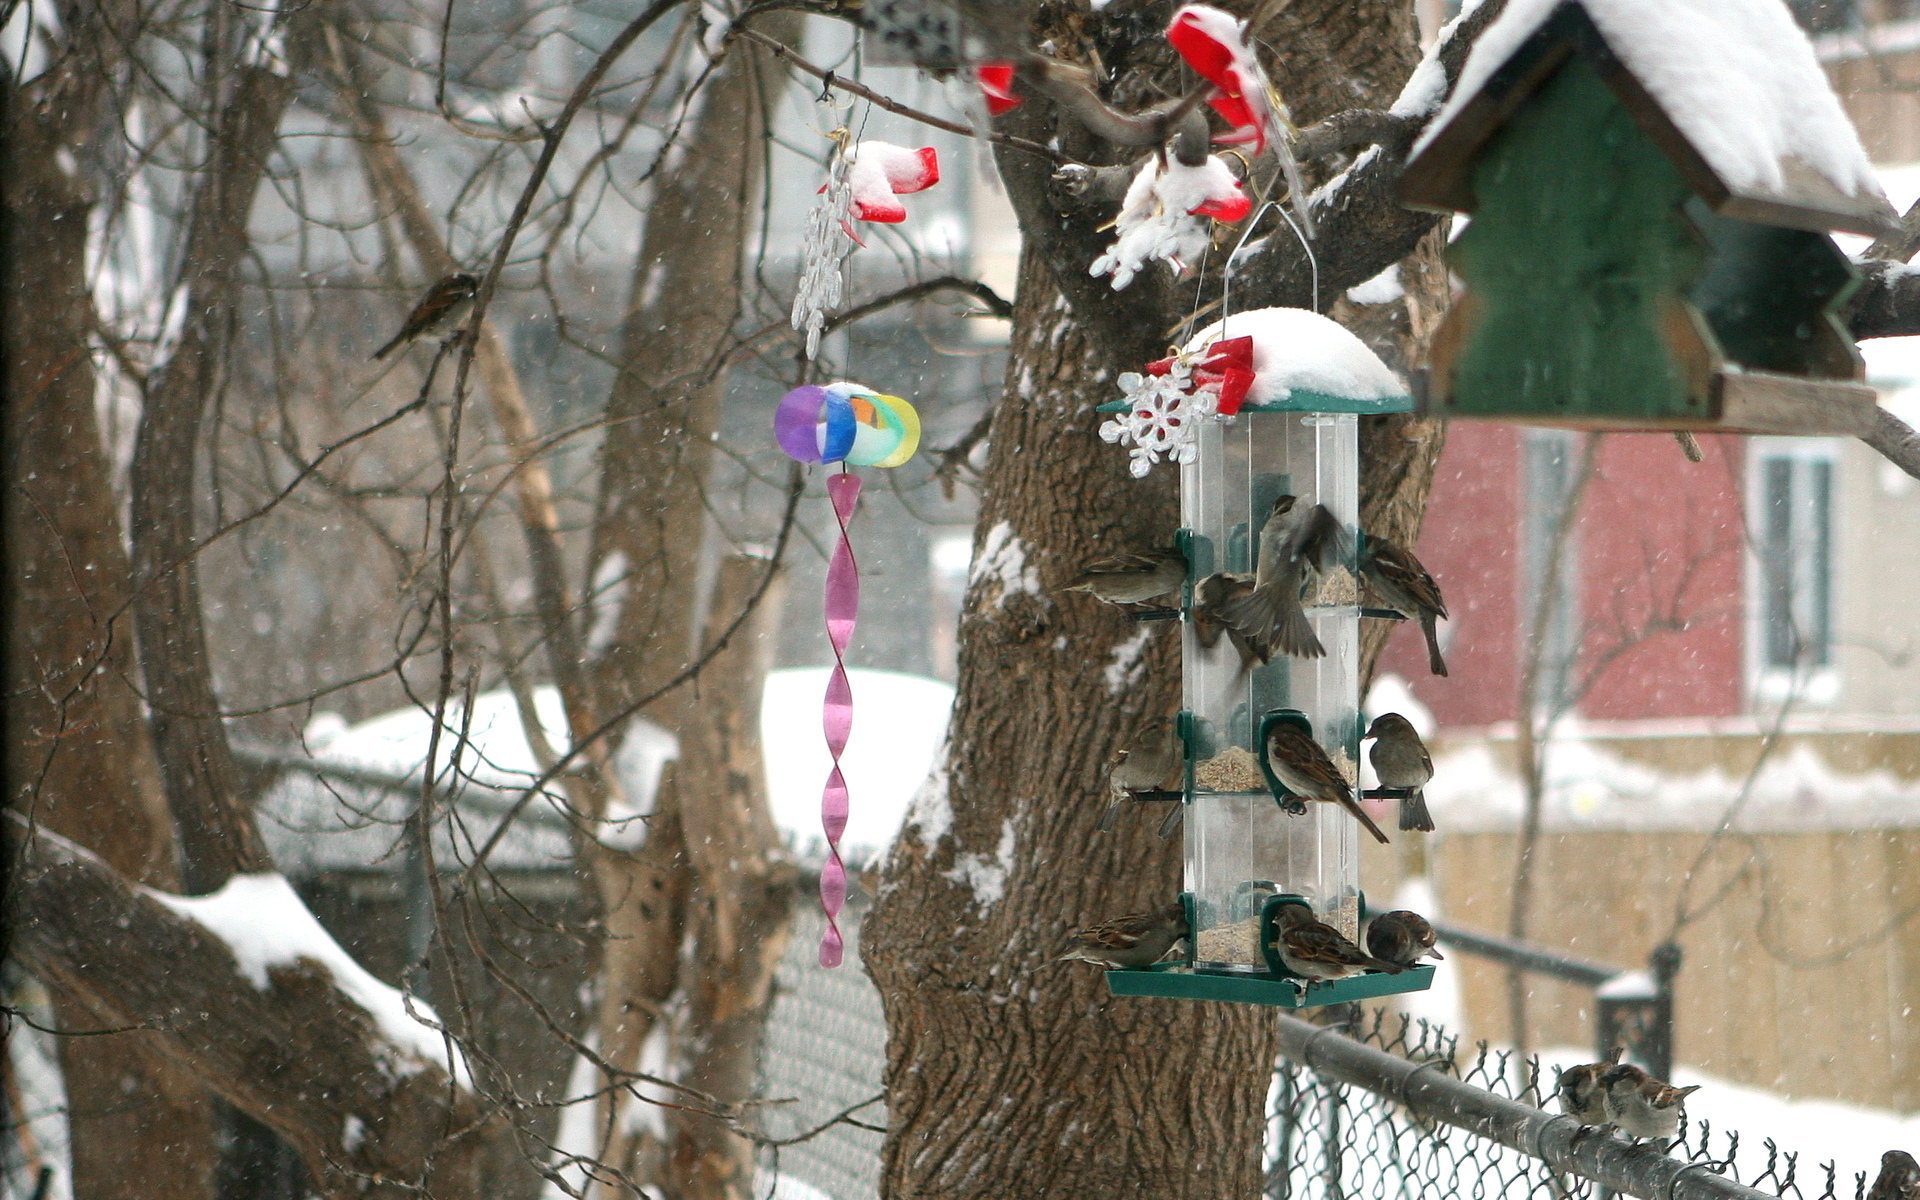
743, 891
218, 837
77, 749
1010, 1074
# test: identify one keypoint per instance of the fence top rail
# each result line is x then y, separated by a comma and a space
1527, 955
1424, 1088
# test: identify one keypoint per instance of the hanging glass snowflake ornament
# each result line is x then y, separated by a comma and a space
827, 242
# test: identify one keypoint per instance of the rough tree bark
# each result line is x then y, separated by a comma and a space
1009, 1074
77, 749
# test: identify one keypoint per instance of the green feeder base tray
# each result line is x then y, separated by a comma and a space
1180, 982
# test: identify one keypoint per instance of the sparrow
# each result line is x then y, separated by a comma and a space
1131, 578
1400, 759
1212, 597
1404, 586
1137, 940
445, 305
1294, 543
1642, 1106
1579, 1090
1899, 1178
1304, 769
1313, 949
1155, 767
1401, 937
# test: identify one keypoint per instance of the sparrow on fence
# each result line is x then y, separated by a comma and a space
1294, 544
1136, 940
445, 305
1155, 766
1304, 769
1312, 949
1899, 1178
1581, 1096
1401, 937
1131, 578
1404, 586
1212, 598
1642, 1106
1401, 760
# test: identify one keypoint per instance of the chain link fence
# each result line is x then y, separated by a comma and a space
1435, 1120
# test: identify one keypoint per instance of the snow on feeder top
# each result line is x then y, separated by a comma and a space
1652, 184
1262, 405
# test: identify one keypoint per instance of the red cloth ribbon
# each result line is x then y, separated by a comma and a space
996, 83
1228, 363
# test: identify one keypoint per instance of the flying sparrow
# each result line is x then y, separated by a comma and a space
1157, 766
445, 305
1899, 1178
1294, 543
1404, 586
1642, 1106
1304, 769
1131, 578
1312, 949
1580, 1094
1212, 598
1400, 759
1401, 937
1137, 940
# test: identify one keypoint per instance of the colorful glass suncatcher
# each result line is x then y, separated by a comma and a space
853, 426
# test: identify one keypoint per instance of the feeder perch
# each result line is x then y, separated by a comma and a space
1640, 258
1296, 431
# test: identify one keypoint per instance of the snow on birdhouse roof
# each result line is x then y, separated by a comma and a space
1294, 349
1731, 89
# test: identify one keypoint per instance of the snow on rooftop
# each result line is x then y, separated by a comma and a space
1737, 77
265, 923
1590, 787
1297, 349
899, 720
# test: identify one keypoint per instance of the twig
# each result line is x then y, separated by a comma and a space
786, 52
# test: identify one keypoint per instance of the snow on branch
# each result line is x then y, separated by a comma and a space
322, 1053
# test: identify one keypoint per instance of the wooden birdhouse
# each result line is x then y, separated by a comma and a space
1652, 184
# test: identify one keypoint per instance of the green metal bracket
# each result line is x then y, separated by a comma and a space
1176, 981
1280, 716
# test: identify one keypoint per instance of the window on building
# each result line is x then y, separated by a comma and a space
1791, 532
1552, 462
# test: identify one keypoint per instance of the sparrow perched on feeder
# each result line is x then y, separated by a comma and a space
1212, 598
1401, 937
1304, 769
1154, 766
1579, 1091
1400, 759
1294, 543
1312, 949
1642, 1106
1131, 578
1137, 940
1404, 586
1899, 1178
445, 305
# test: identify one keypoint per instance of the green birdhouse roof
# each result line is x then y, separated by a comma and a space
1730, 91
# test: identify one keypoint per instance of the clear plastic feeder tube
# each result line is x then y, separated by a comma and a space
1240, 845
